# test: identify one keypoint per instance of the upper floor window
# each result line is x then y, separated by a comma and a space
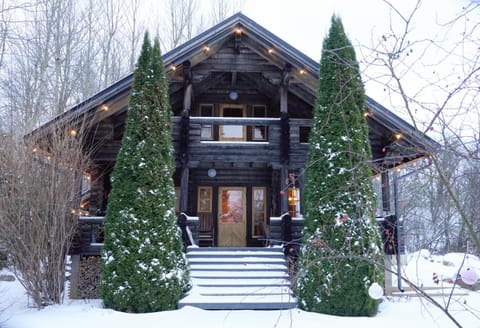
232, 132
259, 132
234, 127
206, 110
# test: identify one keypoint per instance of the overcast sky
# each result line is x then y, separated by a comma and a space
428, 70
304, 24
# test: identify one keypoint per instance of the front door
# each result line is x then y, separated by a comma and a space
232, 216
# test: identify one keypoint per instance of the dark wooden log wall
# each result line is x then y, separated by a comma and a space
275, 230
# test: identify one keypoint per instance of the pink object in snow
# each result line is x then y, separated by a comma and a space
469, 276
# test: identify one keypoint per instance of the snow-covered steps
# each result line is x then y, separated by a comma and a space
239, 279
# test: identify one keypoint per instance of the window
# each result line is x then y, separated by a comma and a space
86, 183
304, 133
206, 110
259, 132
232, 132
204, 202
259, 205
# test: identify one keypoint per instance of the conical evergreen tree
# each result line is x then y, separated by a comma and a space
144, 268
340, 239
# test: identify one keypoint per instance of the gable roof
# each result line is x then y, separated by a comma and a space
304, 73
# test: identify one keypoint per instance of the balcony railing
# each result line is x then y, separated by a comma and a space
261, 139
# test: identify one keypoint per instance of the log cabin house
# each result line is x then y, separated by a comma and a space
242, 104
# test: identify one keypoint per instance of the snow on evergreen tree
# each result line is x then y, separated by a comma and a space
341, 238
144, 268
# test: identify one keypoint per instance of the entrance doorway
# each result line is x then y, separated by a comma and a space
232, 216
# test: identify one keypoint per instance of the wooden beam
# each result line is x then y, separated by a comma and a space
286, 73
188, 93
283, 195
284, 88
238, 41
187, 72
184, 189
385, 191
187, 99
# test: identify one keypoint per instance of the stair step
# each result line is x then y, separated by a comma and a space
237, 267
234, 249
238, 275
228, 282
239, 302
244, 290
238, 278
235, 260
232, 255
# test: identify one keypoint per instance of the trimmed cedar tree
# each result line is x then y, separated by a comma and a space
144, 268
341, 239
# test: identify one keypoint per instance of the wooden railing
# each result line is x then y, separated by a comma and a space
91, 234
268, 150
285, 230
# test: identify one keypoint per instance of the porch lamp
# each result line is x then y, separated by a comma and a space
292, 196
292, 201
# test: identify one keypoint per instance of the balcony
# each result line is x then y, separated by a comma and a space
244, 139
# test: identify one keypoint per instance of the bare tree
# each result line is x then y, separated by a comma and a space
178, 23
40, 187
62, 52
221, 9
434, 80
87, 79
39, 80
111, 43
135, 30
431, 220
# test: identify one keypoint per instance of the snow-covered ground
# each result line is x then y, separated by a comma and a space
404, 311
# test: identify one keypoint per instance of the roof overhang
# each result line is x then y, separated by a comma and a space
303, 82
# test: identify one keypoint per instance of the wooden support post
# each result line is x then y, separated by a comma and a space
96, 190
301, 185
284, 187
284, 117
284, 88
388, 275
286, 229
385, 191
184, 189
185, 135
188, 88
182, 223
